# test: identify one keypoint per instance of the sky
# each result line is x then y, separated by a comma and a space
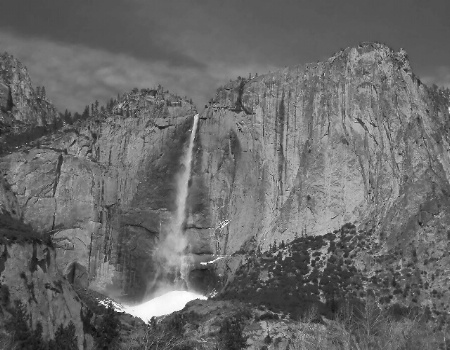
88, 50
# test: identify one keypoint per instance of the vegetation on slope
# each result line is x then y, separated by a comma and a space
16, 231
440, 96
20, 335
341, 267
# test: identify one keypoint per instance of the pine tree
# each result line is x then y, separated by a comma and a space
38, 342
65, 338
96, 104
19, 324
274, 247
108, 331
67, 117
85, 114
110, 105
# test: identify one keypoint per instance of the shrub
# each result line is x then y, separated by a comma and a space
267, 339
268, 316
163, 336
231, 334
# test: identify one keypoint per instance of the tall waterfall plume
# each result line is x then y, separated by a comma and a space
170, 253
183, 182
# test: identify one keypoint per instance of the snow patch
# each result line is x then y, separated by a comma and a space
212, 261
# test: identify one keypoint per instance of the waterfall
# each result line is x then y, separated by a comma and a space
183, 181
170, 253
182, 194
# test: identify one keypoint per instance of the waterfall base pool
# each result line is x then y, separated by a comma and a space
163, 305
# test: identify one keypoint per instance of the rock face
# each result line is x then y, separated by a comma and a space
306, 149
298, 152
105, 190
24, 113
29, 274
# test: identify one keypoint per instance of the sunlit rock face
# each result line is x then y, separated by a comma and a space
306, 149
105, 189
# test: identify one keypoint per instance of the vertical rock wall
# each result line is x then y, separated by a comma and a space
29, 274
104, 189
306, 149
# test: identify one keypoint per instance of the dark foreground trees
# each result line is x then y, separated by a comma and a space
21, 336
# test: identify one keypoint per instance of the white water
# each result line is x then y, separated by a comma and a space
212, 261
162, 305
171, 250
183, 182
170, 253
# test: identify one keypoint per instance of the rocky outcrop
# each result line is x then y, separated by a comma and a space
29, 274
24, 113
105, 189
306, 149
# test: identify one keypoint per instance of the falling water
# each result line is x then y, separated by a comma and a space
183, 182
182, 193
170, 253
171, 250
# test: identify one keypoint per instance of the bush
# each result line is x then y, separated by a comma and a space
165, 335
268, 316
231, 334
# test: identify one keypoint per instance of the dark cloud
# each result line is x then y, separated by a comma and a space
439, 76
76, 75
100, 47
106, 24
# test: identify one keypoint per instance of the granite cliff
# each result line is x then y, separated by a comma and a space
296, 153
302, 151
104, 189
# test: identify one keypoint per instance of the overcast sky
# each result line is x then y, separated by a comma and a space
93, 49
